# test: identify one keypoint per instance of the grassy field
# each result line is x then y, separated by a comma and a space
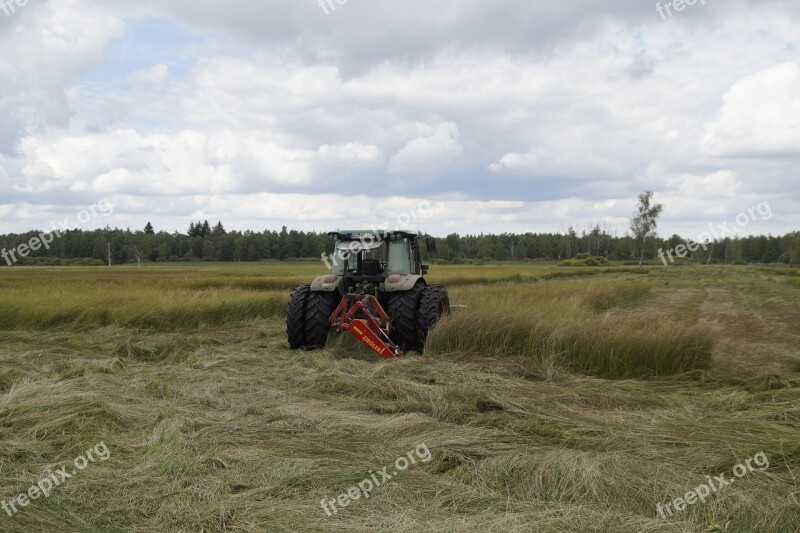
559, 399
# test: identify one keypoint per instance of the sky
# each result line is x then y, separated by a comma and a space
454, 116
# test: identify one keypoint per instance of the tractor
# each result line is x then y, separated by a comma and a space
376, 291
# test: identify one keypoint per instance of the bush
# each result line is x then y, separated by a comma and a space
584, 260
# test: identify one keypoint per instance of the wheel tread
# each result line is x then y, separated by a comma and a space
296, 317
319, 307
403, 315
432, 297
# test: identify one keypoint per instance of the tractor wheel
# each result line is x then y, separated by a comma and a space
433, 305
319, 307
296, 317
402, 312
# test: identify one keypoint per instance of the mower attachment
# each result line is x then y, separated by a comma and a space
365, 319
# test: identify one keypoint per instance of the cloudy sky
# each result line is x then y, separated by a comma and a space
505, 115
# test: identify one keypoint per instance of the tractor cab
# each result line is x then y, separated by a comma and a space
367, 258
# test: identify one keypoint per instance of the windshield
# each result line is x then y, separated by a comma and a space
399, 258
347, 252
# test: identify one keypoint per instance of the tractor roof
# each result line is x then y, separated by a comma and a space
377, 234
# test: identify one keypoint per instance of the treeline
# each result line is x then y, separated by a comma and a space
204, 242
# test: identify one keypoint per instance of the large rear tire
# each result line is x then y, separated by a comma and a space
434, 303
296, 317
402, 312
319, 308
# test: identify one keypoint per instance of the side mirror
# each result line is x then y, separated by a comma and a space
425, 269
430, 244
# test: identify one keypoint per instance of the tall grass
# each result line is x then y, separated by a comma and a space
579, 324
186, 311
137, 301
559, 322
611, 348
608, 296
162, 298
461, 276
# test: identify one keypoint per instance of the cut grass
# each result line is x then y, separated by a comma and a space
214, 425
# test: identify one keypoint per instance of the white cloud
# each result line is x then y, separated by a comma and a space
353, 153
188, 162
760, 116
557, 117
430, 153
47, 47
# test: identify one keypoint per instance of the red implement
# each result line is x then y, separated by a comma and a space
365, 319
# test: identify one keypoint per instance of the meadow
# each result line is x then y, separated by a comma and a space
558, 399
